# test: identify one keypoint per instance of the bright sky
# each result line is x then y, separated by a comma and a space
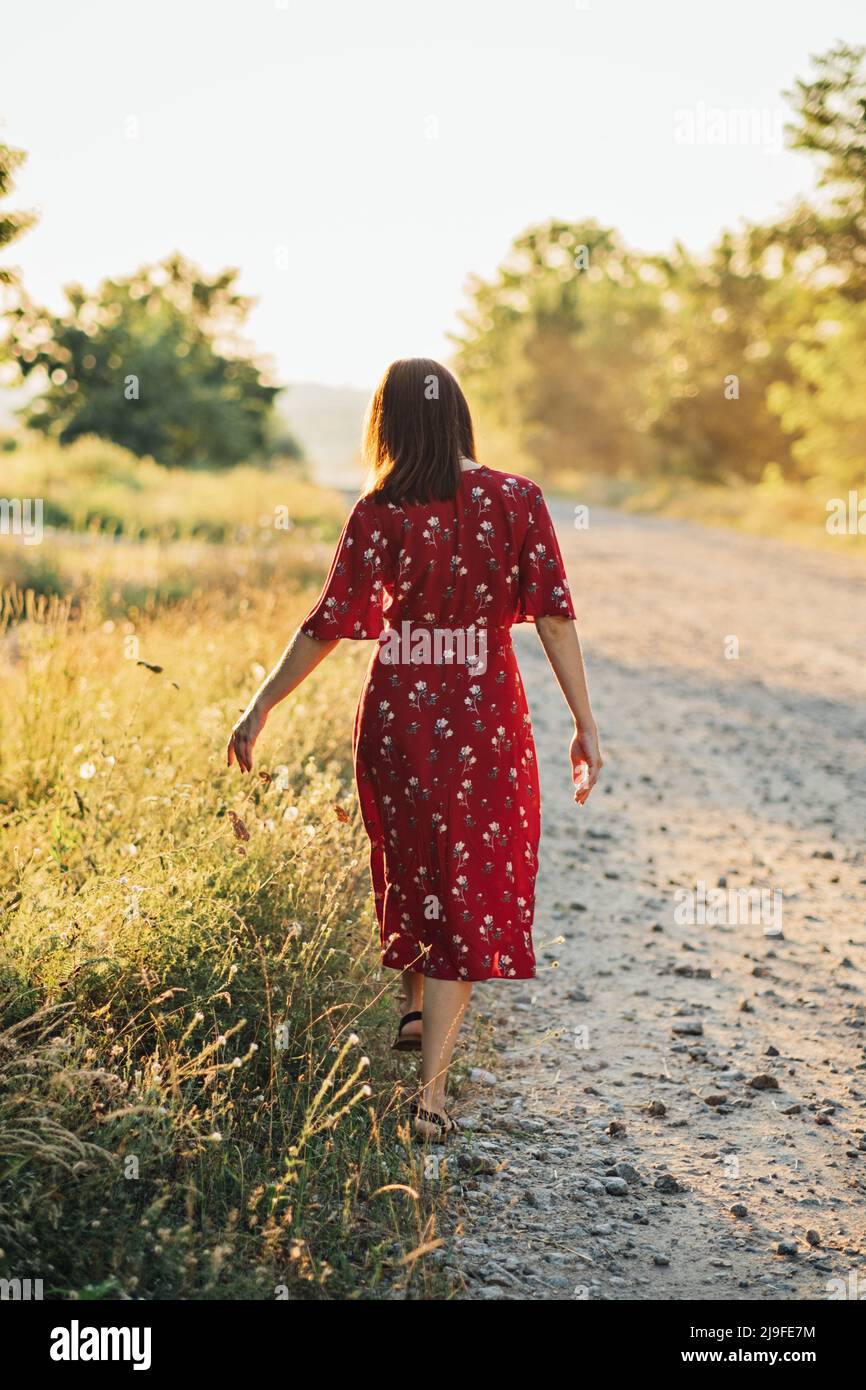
358, 159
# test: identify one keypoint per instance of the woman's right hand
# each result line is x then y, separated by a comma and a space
586, 762
244, 735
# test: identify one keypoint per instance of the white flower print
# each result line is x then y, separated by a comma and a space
480, 499
405, 563
471, 700
485, 535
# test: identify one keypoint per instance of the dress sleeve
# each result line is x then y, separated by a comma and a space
543, 586
350, 604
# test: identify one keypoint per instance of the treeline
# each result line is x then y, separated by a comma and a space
736, 365
153, 361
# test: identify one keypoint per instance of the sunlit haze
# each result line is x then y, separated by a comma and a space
360, 161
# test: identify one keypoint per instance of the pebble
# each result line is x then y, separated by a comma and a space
763, 1082
472, 1161
482, 1077
627, 1171
665, 1182
616, 1187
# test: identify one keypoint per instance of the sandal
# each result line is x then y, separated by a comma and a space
445, 1123
406, 1044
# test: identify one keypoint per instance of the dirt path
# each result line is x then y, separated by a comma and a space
748, 771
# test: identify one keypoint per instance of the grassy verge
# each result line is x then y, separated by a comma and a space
793, 512
196, 1095
96, 486
796, 512
124, 537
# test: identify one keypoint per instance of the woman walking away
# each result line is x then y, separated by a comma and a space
439, 558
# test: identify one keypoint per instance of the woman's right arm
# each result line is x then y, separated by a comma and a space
301, 656
562, 645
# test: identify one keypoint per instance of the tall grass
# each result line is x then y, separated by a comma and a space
796, 512
776, 507
94, 485
128, 536
196, 1094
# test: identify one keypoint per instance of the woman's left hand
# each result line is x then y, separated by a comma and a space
243, 737
586, 762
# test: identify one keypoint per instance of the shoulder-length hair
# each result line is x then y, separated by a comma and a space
416, 430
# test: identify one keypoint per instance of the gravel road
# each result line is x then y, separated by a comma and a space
678, 1104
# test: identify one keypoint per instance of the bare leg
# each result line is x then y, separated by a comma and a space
444, 1006
413, 1001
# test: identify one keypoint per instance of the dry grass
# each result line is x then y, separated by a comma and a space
96, 485
196, 1094
787, 511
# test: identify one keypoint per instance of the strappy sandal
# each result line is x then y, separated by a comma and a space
401, 1044
445, 1123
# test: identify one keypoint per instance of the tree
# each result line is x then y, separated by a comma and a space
12, 224
152, 362
730, 318
830, 123
594, 357
557, 346
825, 404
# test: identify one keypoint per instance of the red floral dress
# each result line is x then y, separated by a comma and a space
443, 747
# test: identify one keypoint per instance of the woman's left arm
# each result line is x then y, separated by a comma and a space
301, 656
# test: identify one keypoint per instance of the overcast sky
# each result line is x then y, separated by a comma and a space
358, 159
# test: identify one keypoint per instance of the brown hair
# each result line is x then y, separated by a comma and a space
416, 429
